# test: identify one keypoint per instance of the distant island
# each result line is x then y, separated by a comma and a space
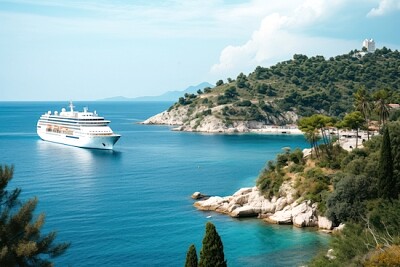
283, 93
168, 96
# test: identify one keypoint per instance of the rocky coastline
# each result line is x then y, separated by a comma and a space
181, 121
249, 202
287, 208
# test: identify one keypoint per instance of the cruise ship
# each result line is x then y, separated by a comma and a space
82, 129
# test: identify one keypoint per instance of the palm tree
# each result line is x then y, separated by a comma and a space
381, 106
363, 104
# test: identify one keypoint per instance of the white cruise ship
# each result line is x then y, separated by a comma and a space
82, 129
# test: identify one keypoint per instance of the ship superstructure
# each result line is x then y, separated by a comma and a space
82, 129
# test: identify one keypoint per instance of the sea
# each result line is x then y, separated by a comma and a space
132, 206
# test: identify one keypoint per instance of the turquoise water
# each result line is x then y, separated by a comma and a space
132, 206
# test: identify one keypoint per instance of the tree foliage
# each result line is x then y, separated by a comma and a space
354, 121
312, 85
191, 257
363, 104
382, 105
21, 243
386, 180
212, 251
347, 201
374, 241
314, 128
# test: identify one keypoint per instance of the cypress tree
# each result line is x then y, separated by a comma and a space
191, 257
386, 180
394, 130
212, 251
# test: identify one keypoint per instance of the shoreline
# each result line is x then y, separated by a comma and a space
248, 202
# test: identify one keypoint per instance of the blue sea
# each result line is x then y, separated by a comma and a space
132, 206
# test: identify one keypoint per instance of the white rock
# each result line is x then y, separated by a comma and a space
232, 207
198, 195
267, 207
324, 223
331, 254
243, 191
306, 219
245, 211
287, 190
339, 228
301, 208
281, 217
241, 200
211, 204
281, 203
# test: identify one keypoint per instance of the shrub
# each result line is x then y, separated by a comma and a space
244, 103
346, 203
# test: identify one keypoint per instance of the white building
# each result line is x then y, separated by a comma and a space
369, 44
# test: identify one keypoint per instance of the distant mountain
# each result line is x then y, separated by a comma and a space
168, 96
116, 98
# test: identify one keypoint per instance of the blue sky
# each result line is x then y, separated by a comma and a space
88, 50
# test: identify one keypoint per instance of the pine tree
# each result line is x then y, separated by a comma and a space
212, 252
21, 243
191, 257
387, 182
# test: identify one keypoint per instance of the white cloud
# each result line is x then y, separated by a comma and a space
173, 18
385, 7
280, 35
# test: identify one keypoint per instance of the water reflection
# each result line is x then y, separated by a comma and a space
82, 166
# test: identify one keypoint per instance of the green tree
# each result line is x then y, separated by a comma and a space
207, 90
354, 121
311, 133
314, 124
21, 243
191, 257
387, 184
231, 92
363, 104
347, 202
212, 251
382, 106
241, 80
394, 131
219, 83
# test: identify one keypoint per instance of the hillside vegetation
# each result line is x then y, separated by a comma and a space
360, 188
302, 86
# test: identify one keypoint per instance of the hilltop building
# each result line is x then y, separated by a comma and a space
369, 45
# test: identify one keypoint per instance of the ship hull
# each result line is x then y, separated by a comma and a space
96, 142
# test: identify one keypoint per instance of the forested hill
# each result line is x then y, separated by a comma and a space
304, 85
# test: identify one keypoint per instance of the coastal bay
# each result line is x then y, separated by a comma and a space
132, 206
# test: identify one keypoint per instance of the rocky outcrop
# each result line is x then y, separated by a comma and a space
324, 223
193, 120
198, 195
249, 202
300, 215
172, 117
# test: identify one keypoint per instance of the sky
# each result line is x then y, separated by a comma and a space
62, 50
